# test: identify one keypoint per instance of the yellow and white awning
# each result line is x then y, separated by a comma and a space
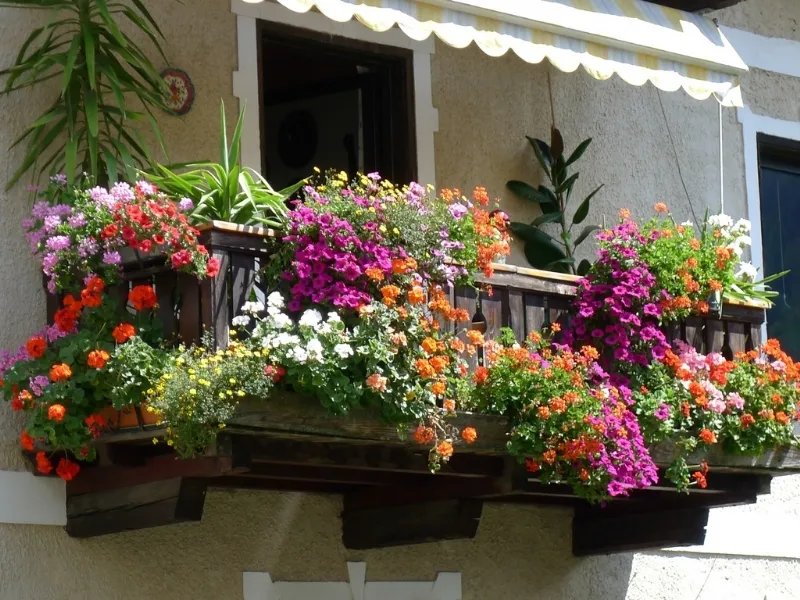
639, 41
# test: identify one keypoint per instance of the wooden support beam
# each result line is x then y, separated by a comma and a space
136, 507
596, 533
411, 524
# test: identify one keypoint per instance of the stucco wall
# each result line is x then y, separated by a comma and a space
485, 108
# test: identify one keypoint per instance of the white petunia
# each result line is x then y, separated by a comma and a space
311, 318
252, 307
746, 272
276, 300
281, 321
343, 350
241, 321
315, 350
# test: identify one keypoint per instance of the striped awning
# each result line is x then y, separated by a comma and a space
639, 41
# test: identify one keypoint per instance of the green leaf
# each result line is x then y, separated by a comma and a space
547, 218
89, 54
541, 254
578, 151
528, 233
71, 158
585, 233
583, 267
542, 152
72, 56
583, 209
90, 99
556, 142
567, 184
528, 192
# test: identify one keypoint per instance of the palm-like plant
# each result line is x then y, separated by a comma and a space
102, 72
226, 191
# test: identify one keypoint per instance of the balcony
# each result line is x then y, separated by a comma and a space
291, 443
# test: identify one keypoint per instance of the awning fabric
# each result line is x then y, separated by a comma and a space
637, 40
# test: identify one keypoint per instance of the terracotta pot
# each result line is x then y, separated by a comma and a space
128, 417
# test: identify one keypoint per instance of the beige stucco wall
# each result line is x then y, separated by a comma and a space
485, 108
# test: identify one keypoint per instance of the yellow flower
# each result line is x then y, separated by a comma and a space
222, 394
342, 175
240, 393
316, 169
192, 377
193, 392
371, 209
396, 231
382, 228
170, 442
191, 371
155, 440
230, 393
231, 380
232, 333
180, 360
359, 212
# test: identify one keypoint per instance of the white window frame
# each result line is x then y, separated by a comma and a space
259, 586
246, 79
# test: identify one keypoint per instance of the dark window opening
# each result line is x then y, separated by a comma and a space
779, 165
334, 103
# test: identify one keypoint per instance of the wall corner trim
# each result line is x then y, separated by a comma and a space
29, 500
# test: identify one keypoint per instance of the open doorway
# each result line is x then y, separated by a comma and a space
334, 103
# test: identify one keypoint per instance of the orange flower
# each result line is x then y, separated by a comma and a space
701, 307
97, 359
707, 436
411, 264
481, 375
469, 435
475, 337
439, 363
555, 327
123, 332
377, 382
426, 370
67, 469
746, 420
624, 214
91, 295
416, 295
43, 464
531, 465
374, 273
390, 294
143, 297
685, 409
457, 345
583, 475
36, 346
60, 372
449, 405
480, 195
429, 345
66, 317
715, 285
660, 207
557, 405
543, 412
94, 423
399, 266
694, 244
700, 478
692, 262
423, 435
444, 449
56, 412
782, 418
549, 456
26, 441
438, 388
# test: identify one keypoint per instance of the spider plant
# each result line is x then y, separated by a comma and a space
226, 191
102, 71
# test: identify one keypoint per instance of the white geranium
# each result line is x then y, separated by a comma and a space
281, 321
324, 329
736, 249
275, 300
743, 225
311, 318
687, 224
333, 317
241, 321
343, 350
252, 308
284, 339
314, 350
299, 354
746, 272
743, 240
722, 221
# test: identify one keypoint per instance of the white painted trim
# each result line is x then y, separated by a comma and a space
245, 80
30, 500
259, 586
777, 55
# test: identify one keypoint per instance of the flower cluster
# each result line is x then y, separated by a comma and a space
64, 375
91, 230
696, 401
569, 422
346, 239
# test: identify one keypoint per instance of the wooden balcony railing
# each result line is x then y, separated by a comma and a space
291, 442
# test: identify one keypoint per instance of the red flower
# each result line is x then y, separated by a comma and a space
26, 441
145, 245
95, 423
481, 375
17, 404
123, 332
746, 420
91, 295
36, 346
97, 359
708, 437
276, 373
60, 372
67, 469
213, 267
700, 478
43, 464
181, 258
159, 239
109, 231
128, 233
143, 297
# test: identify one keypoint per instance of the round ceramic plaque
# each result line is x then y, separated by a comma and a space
180, 91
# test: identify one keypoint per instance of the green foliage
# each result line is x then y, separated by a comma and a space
102, 71
226, 191
542, 250
135, 366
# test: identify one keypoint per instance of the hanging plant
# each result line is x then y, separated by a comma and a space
89, 126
